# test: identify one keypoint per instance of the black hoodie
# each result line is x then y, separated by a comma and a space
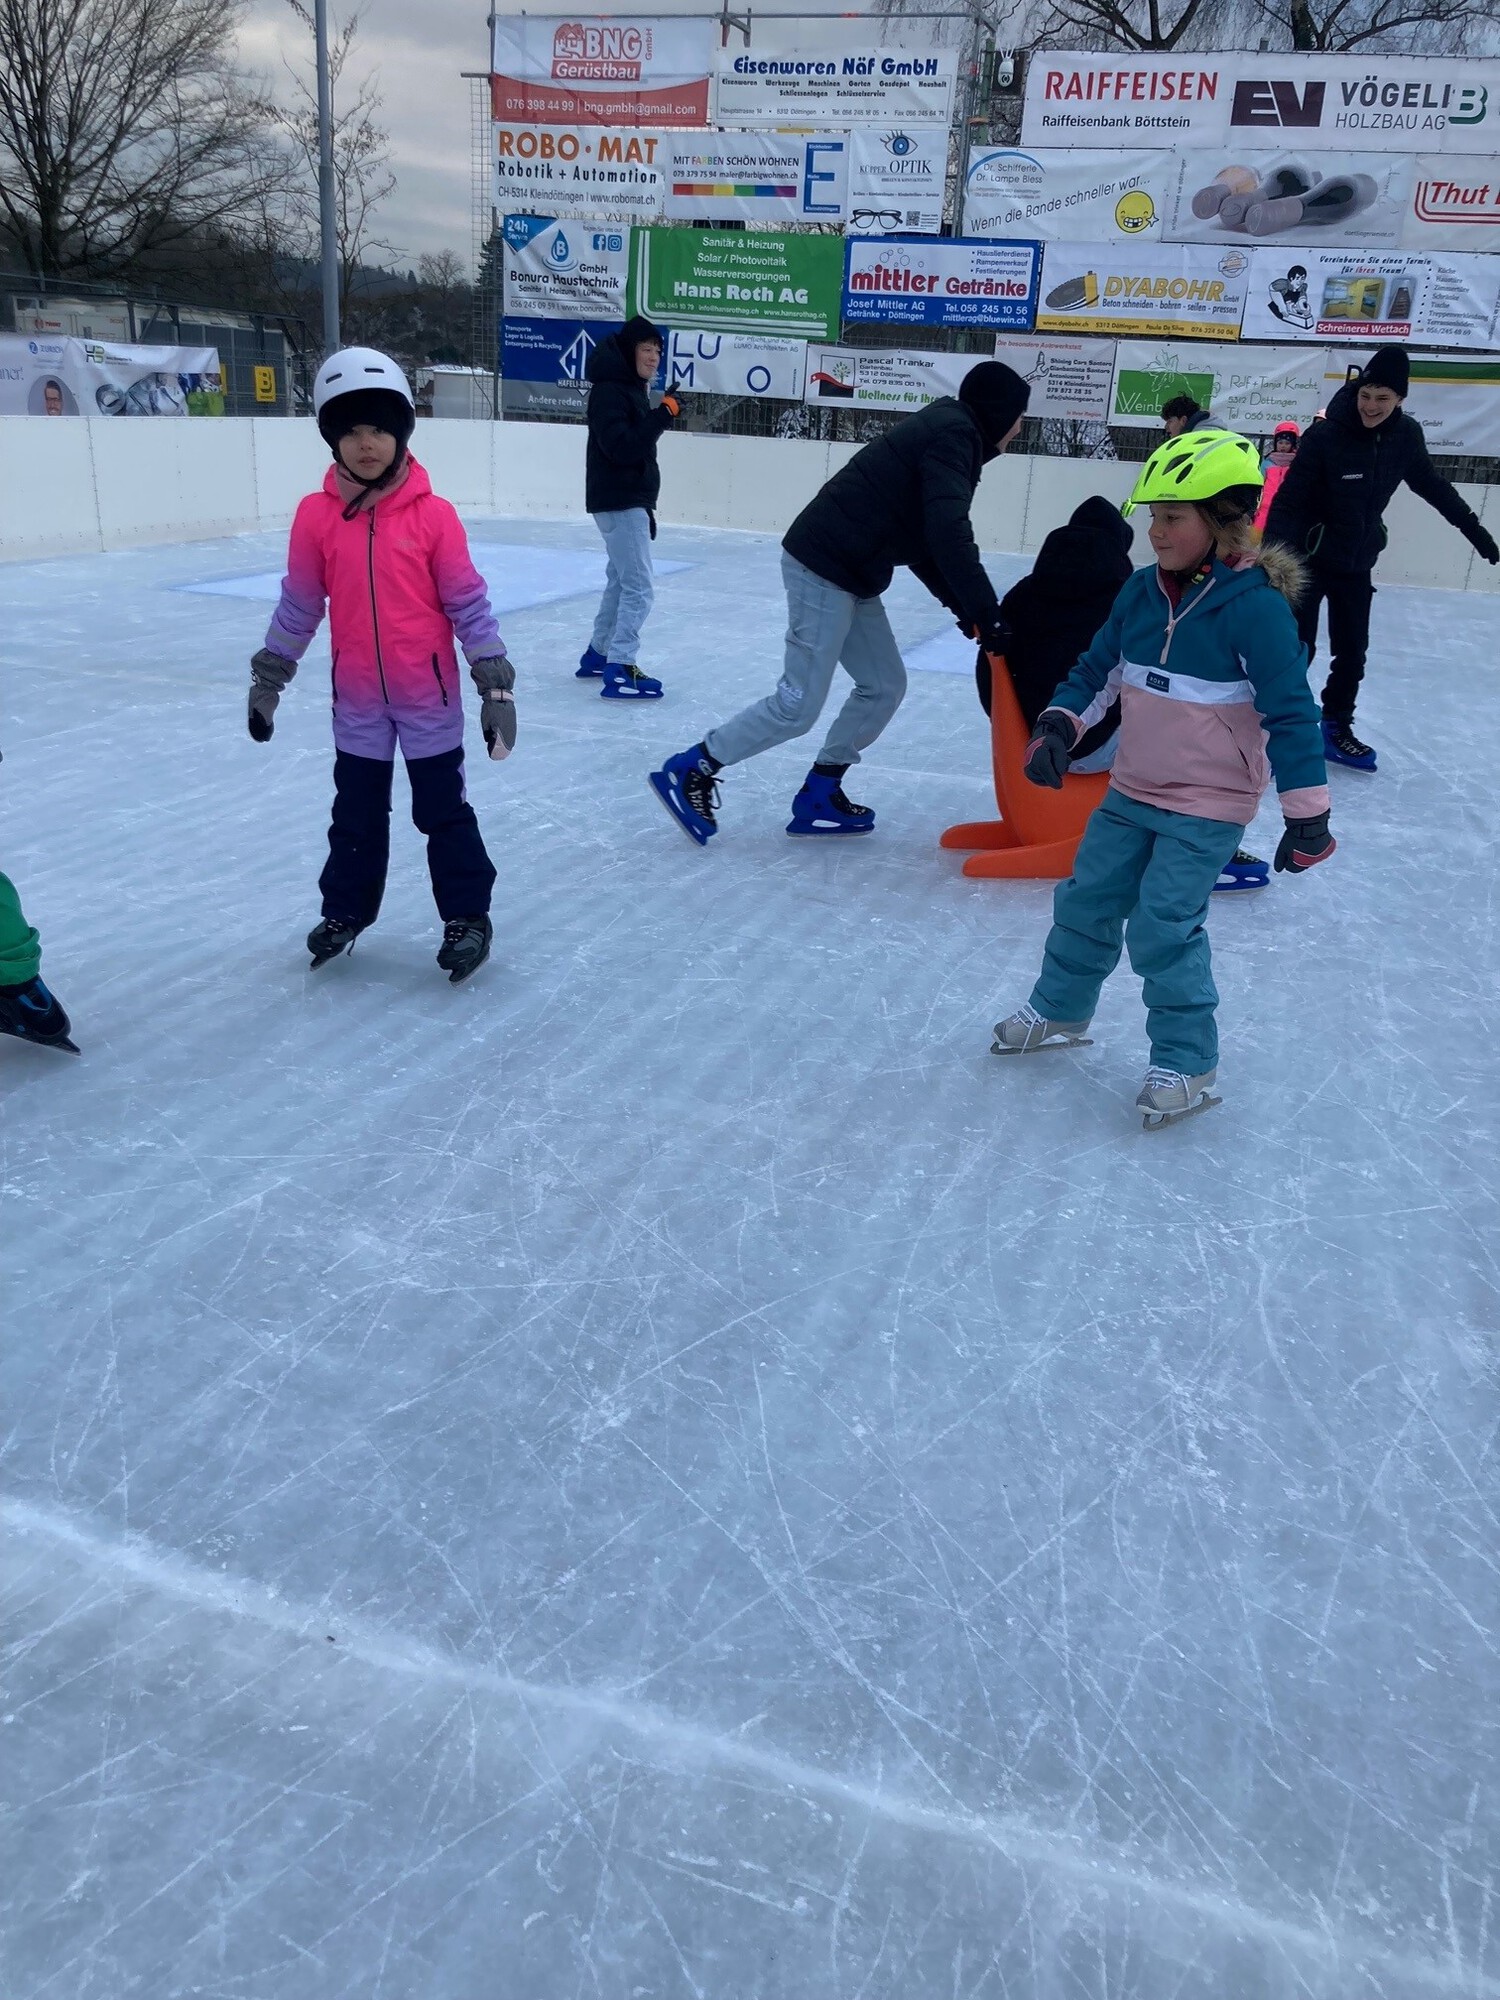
620, 470
1329, 506
1054, 613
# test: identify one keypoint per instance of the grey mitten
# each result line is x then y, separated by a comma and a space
269, 674
494, 679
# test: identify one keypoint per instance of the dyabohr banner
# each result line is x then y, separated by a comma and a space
1437, 104
1143, 288
757, 177
738, 281
896, 180
953, 282
564, 270
836, 87
581, 170
614, 70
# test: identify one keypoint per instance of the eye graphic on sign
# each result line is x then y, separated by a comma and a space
1134, 212
899, 144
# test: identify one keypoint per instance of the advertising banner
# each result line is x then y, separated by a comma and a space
871, 85
551, 350
614, 70
1232, 196
1373, 297
581, 170
564, 270
946, 282
1143, 288
757, 177
736, 364
1070, 379
1456, 400
1091, 196
47, 375
1426, 104
896, 180
1455, 205
1250, 389
883, 378
738, 281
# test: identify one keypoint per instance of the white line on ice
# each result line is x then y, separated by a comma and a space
135, 1562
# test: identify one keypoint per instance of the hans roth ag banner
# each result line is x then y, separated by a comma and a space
738, 281
952, 282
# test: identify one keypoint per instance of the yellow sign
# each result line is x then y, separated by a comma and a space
265, 385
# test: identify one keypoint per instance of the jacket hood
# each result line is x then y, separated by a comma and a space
613, 359
1270, 564
1095, 543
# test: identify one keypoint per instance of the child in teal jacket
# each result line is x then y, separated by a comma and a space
1211, 676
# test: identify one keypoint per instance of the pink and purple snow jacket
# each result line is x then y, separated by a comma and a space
399, 584
1212, 682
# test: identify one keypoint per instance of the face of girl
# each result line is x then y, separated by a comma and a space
1284, 447
1179, 534
367, 451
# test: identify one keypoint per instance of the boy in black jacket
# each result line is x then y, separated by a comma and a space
621, 484
1328, 510
903, 499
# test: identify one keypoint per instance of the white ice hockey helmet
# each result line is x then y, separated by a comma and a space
355, 368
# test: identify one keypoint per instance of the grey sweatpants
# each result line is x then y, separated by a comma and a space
628, 588
826, 628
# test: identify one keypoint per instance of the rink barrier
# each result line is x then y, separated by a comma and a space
1038, 831
87, 484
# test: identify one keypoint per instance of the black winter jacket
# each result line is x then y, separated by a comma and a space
904, 499
1054, 613
1329, 506
620, 469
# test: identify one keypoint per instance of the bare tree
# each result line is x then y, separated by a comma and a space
1432, 27
361, 162
124, 130
1439, 27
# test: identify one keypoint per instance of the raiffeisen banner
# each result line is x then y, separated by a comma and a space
1428, 104
615, 69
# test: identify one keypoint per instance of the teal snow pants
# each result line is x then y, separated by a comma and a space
1144, 877
20, 947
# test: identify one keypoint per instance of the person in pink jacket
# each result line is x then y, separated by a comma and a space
391, 562
1284, 441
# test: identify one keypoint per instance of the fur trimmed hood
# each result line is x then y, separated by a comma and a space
1285, 571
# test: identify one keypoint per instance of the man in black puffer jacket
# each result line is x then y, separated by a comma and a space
621, 484
904, 499
1329, 510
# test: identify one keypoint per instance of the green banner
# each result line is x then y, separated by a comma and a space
738, 280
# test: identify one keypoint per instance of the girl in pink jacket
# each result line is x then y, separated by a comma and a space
391, 562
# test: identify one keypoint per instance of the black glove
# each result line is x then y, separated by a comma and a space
992, 638
1305, 843
1485, 543
1050, 750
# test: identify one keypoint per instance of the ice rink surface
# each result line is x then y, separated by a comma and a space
668, 1472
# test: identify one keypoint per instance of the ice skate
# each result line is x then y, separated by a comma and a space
1026, 1031
1342, 746
1242, 871
465, 946
821, 808
1167, 1097
591, 665
690, 791
628, 684
33, 1014
329, 938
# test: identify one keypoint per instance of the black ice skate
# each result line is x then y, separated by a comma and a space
466, 945
32, 1013
331, 937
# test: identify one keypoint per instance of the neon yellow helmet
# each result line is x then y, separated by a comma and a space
1196, 466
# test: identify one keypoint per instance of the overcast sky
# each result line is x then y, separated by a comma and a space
420, 48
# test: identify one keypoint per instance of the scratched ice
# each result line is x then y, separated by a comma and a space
668, 1471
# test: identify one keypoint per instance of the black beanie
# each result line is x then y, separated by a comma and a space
634, 331
1387, 368
381, 407
997, 396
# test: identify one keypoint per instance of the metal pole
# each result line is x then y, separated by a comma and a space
327, 225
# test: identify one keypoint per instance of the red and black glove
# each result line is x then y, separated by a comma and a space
672, 407
1050, 750
1305, 843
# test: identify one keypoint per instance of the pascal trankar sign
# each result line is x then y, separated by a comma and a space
1430, 104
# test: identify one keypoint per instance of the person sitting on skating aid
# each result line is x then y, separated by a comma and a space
622, 482
391, 561
27, 1009
903, 499
1204, 651
1329, 509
